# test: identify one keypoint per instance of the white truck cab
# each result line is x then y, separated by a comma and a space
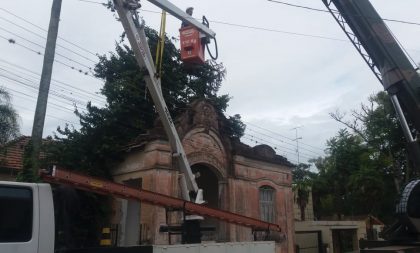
26, 218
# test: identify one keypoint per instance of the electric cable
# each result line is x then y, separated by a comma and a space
57, 106
54, 83
43, 47
252, 137
309, 156
207, 42
81, 103
326, 11
269, 29
48, 115
403, 48
290, 139
14, 42
66, 65
53, 93
99, 98
61, 38
284, 142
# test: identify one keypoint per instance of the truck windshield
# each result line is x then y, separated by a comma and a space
15, 214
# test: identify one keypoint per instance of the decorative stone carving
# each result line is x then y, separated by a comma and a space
205, 115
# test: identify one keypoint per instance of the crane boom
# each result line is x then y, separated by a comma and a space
134, 29
181, 15
386, 58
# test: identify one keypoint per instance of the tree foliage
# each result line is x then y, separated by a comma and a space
9, 125
366, 164
129, 110
97, 146
378, 126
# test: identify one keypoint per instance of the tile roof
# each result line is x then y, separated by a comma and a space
11, 154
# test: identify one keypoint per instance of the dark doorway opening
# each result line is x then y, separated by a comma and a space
209, 183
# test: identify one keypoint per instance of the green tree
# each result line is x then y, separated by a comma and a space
9, 125
129, 111
97, 146
345, 154
302, 184
376, 123
366, 164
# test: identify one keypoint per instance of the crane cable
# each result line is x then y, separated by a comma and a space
207, 41
160, 45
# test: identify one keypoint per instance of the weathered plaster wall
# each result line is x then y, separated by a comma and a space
239, 177
250, 175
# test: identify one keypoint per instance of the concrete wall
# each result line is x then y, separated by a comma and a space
327, 228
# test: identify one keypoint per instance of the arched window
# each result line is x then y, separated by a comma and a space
267, 204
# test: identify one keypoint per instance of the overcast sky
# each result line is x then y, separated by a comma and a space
278, 80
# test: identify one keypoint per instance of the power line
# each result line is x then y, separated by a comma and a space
266, 29
45, 30
336, 11
34, 99
94, 2
35, 86
67, 85
43, 47
48, 115
54, 93
57, 106
231, 24
279, 31
402, 47
42, 37
269, 29
14, 42
275, 133
326, 11
245, 26
63, 88
282, 141
252, 137
293, 151
283, 153
84, 105
119, 122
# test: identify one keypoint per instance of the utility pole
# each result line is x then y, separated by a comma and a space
297, 141
44, 84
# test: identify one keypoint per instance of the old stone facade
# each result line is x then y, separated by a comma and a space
251, 181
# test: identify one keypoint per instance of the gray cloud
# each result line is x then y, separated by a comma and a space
278, 80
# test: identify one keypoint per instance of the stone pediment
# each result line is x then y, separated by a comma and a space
201, 116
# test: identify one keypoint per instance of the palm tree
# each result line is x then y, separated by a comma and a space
301, 191
302, 184
9, 126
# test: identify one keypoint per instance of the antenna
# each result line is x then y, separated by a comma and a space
297, 141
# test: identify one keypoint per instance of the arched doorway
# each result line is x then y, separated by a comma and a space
209, 183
